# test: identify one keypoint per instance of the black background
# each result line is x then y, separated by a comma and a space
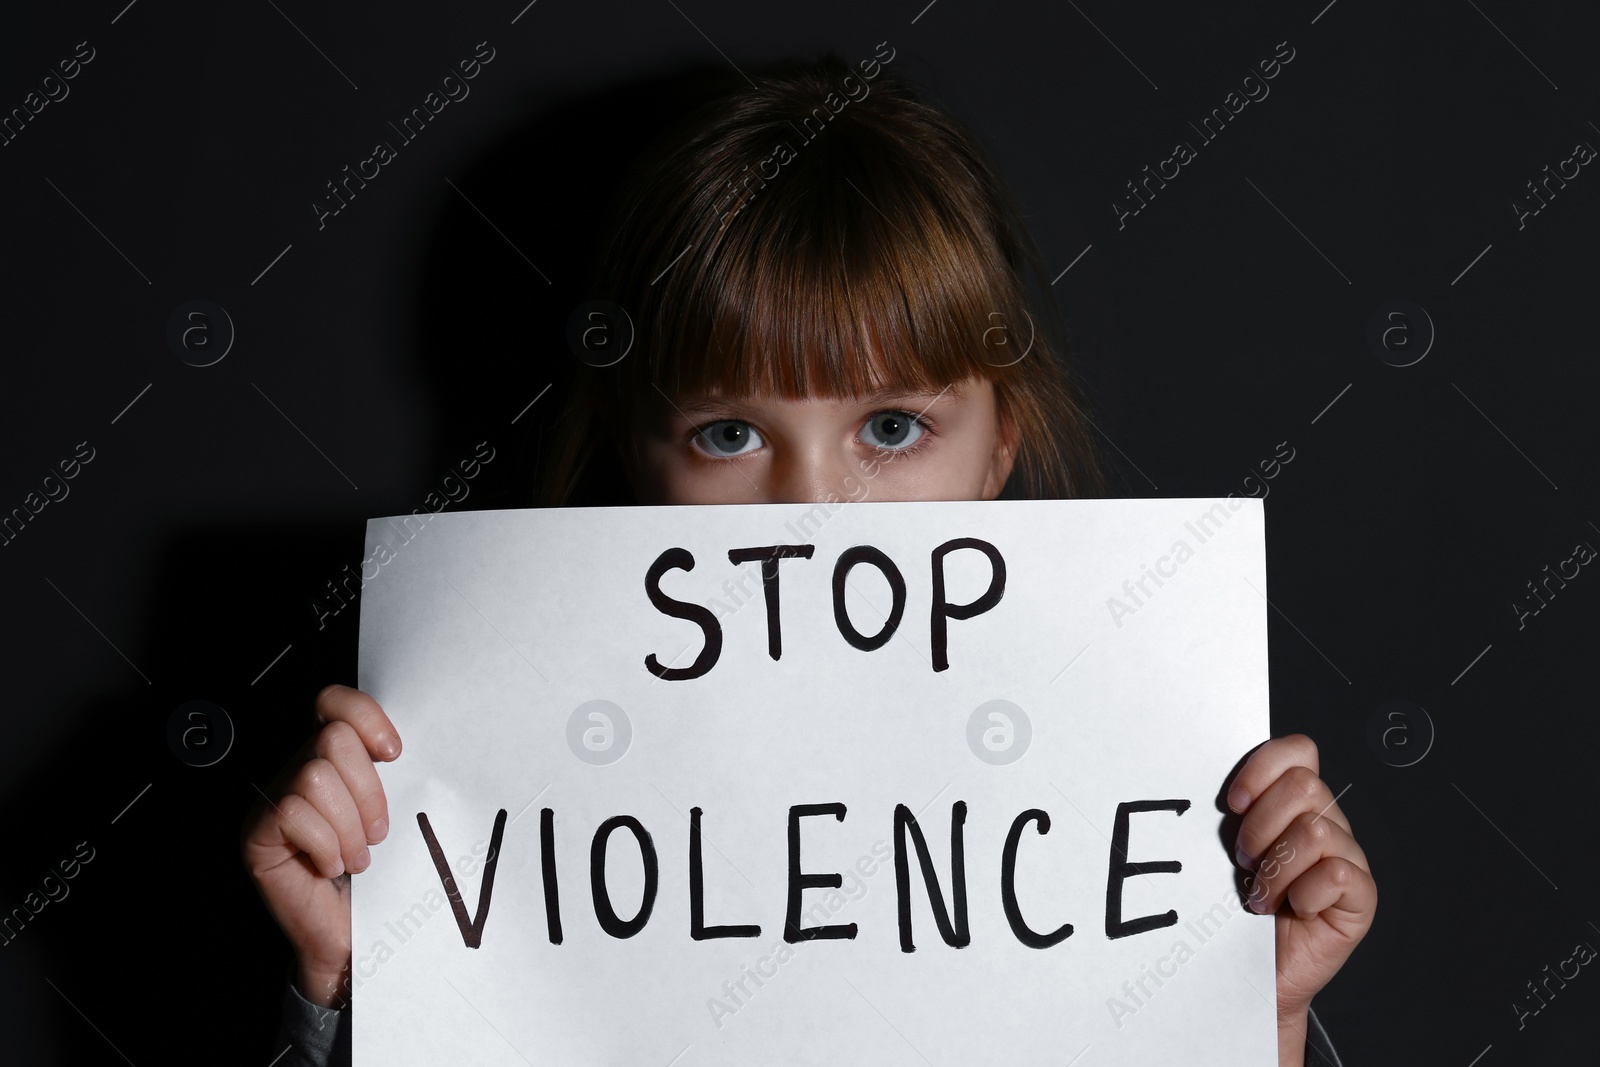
1220, 321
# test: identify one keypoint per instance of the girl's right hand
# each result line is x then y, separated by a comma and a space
310, 831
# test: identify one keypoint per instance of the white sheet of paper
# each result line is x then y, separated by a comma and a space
1129, 644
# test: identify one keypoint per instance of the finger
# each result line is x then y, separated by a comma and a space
1341, 892
1307, 842
295, 823
340, 745
1267, 764
1298, 790
340, 703
320, 783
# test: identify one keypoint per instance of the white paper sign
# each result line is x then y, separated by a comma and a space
704, 809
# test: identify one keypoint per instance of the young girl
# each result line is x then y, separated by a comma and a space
827, 279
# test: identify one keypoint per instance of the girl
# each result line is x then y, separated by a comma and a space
827, 278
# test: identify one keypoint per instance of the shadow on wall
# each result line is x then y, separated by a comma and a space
491, 319
162, 940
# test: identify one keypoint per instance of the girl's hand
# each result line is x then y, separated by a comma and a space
1308, 871
309, 832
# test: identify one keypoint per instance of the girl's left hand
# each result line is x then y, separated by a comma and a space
1306, 869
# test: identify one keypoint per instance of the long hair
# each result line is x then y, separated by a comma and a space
783, 231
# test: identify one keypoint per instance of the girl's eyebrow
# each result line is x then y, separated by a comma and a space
718, 402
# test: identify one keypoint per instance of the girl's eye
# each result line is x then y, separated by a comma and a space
890, 431
727, 437
893, 430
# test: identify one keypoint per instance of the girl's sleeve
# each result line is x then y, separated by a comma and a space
1319, 1049
310, 1035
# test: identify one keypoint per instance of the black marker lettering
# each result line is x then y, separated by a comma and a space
1122, 870
471, 932
897, 589
769, 557
957, 935
942, 610
680, 559
792, 930
597, 877
1008, 884
698, 930
547, 863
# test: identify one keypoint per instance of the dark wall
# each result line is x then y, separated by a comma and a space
1232, 314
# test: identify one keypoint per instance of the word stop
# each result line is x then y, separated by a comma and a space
770, 556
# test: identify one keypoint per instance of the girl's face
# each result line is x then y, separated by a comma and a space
950, 444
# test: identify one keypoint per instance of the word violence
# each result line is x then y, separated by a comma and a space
951, 918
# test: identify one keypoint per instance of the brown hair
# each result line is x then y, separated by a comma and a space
783, 231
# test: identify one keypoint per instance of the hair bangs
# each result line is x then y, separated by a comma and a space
847, 272
797, 237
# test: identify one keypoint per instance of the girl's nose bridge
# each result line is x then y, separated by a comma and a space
811, 473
